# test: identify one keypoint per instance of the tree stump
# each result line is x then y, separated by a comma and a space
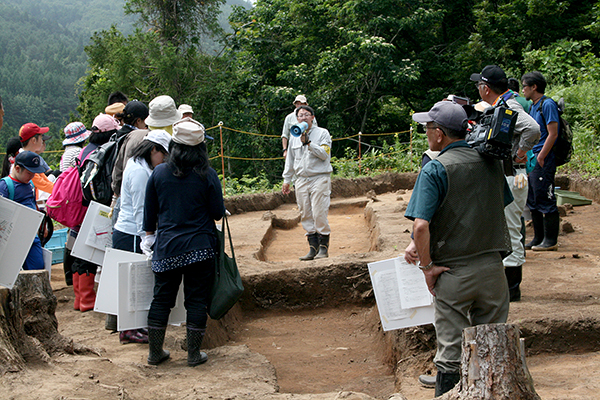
28, 324
493, 365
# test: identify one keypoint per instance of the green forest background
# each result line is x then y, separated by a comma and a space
365, 66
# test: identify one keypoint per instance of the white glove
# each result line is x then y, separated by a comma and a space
520, 181
146, 245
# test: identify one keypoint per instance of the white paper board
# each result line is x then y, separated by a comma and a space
95, 235
107, 294
18, 226
136, 288
398, 288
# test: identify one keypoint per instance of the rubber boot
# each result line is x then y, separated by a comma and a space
313, 243
194, 341
323, 247
111, 323
77, 301
514, 275
86, 289
551, 227
445, 382
156, 338
67, 263
427, 381
538, 229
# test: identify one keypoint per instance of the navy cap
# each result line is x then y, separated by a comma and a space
30, 161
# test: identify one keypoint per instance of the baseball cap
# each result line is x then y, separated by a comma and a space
300, 98
446, 113
492, 74
135, 109
163, 112
188, 131
185, 108
160, 137
30, 161
30, 129
75, 132
105, 123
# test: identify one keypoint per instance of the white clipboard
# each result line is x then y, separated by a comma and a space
18, 226
95, 235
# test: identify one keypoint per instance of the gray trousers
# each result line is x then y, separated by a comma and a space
473, 292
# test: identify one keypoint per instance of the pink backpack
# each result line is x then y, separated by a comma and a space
65, 204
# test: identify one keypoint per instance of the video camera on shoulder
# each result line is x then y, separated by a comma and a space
492, 136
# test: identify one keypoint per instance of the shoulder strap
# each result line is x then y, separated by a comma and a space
10, 186
542, 112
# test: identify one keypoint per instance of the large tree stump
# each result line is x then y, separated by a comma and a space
28, 325
493, 365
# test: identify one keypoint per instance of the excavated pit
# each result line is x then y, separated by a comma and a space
316, 323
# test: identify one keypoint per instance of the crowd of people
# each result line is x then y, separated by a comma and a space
165, 204
468, 236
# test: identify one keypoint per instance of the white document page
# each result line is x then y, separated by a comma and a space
387, 288
412, 286
95, 235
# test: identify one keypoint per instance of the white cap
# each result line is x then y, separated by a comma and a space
300, 98
160, 137
185, 108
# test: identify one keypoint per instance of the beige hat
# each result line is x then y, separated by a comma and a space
114, 109
185, 108
300, 98
188, 131
163, 112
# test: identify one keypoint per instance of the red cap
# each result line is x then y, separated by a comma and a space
30, 129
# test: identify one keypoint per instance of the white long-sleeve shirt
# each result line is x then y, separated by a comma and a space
308, 160
133, 193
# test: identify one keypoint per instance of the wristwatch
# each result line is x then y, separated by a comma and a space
284, 150
426, 267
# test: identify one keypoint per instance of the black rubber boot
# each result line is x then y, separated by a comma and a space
67, 264
111, 323
445, 382
194, 341
156, 338
538, 229
551, 227
313, 243
323, 247
514, 275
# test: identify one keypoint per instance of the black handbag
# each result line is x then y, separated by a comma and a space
227, 288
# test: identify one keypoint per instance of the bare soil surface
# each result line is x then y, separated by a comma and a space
310, 330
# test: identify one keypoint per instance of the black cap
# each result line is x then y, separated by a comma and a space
492, 74
135, 109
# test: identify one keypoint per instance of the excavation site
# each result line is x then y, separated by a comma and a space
311, 329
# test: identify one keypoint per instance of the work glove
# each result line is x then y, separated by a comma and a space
147, 243
520, 181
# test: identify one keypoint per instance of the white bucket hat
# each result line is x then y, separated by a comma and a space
185, 108
163, 112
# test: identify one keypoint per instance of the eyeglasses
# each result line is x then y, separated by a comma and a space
304, 115
479, 84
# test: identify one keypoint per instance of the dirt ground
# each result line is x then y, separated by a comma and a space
278, 346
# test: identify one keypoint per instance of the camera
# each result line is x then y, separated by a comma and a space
492, 136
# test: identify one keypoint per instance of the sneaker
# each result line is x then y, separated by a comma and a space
132, 336
427, 381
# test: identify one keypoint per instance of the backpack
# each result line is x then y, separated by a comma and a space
563, 147
96, 171
65, 204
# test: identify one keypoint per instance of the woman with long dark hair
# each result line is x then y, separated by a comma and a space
128, 232
12, 149
183, 199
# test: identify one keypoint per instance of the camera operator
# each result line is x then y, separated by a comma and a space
492, 85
